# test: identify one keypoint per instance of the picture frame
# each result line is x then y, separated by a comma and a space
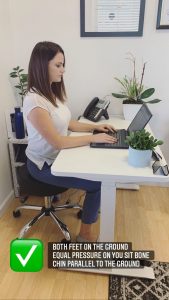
109, 19
163, 15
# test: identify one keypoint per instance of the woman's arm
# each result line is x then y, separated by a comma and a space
83, 127
80, 127
41, 120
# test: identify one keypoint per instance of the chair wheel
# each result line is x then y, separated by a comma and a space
16, 213
23, 199
79, 214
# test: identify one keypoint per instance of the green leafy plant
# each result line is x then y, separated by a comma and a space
133, 90
142, 140
22, 81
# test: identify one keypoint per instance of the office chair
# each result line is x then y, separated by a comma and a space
29, 186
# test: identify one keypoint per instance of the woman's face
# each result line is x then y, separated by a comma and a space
56, 68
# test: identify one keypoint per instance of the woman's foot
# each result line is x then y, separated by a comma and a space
80, 239
86, 234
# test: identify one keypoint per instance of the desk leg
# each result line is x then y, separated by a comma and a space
107, 221
107, 216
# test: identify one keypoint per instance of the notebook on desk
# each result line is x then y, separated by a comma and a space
138, 123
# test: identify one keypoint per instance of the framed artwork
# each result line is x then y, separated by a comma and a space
107, 18
163, 14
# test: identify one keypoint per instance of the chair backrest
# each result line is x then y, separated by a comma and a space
30, 186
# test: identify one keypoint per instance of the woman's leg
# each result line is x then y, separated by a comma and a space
91, 201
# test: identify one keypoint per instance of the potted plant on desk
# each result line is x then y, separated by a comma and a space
141, 144
133, 92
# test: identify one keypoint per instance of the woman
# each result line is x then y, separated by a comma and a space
48, 120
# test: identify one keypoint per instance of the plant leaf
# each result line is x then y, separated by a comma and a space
142, 140
12, 73
122, 82
153, 101
14, 76
147, 93
119, 95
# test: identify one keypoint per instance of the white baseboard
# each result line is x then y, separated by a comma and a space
6, 202
136, 187
128, 186
161, 184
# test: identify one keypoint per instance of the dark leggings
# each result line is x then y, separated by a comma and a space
93, 189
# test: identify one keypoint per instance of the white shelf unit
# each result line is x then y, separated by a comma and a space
17, 157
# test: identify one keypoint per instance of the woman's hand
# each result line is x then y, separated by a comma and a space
103, 138
104, 128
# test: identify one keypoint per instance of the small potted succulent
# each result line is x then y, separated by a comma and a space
141, 144
133, 91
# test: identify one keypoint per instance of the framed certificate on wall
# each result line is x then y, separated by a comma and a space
163, 14
106, 18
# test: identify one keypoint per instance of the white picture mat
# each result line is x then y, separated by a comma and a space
108, 15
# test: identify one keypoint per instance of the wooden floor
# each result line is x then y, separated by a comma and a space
142, 217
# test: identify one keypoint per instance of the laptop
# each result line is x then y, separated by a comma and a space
138, 123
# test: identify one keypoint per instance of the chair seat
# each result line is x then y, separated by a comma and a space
33, 187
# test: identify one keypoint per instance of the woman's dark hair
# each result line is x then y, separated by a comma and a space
38, 76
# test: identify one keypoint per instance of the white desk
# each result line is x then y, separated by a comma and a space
110, 166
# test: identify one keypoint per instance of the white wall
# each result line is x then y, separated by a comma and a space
6, 97
91, 63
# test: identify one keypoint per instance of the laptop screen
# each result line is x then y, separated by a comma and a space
141, 119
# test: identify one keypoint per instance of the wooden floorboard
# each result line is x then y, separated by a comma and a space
142, 217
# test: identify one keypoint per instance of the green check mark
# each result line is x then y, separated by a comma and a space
26, 255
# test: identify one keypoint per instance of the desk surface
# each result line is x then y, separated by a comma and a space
102, 164
110, 166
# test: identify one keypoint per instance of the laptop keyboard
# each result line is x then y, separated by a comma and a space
120, 135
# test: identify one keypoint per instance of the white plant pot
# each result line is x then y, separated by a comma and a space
139, 158
130, 110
